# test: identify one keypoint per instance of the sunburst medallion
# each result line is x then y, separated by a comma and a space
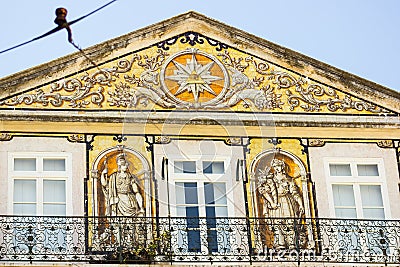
194, 78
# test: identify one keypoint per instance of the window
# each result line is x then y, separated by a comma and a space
207, 167
201, 198
339, 169
187, 205
367, 170
191, 197
371, 201
185, 166
39, 184
216, 211
213, 167
356, 189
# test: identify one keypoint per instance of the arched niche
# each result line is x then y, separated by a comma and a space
138, 166
262, 168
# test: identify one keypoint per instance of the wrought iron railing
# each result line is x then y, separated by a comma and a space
138, 240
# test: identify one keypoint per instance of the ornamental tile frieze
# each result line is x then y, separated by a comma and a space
191, 71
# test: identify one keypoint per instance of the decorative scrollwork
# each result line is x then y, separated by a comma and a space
314, 97
233, 141
120, 138
191, 38
219, 46
164, 45
275, 141
261, 67
5, 137
162, 139
77, 93
141, 90
108, 240
76, 138
316, 142
233, 62
385, 143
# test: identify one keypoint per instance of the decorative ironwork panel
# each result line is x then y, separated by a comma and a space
373, 241
154, 239
25, 238
208, 239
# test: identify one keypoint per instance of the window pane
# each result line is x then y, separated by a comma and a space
187, 212
54, 164
178, 166
53, 191
374, 213
23, 164
371, 195
220, 193
221, 211
207, 167
185, 167
367, 170
209, 193
213, 167
54, 209
340, 169
210, 212
24, 191
215, 193
192, 212
180, 193
193, 242
343, 195
181, 211
186, 193
191, 193
25, 209
346, 213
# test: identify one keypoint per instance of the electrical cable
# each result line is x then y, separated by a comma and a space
86, 56
63, 24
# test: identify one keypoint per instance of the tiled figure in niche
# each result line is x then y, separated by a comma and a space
121, 191
283, 203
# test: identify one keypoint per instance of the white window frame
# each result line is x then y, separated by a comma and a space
39, 175
356, 181
200, 177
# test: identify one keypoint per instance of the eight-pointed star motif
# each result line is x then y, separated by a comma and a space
193, 77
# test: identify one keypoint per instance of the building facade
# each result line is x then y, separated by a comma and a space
192, 141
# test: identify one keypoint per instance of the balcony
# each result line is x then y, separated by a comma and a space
213, 240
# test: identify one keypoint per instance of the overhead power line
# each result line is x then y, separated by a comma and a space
62, 23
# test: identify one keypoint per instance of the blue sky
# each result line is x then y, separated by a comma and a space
358, 36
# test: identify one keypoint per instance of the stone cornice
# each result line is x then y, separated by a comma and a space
206, 118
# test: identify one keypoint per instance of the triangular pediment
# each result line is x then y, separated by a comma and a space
191, 62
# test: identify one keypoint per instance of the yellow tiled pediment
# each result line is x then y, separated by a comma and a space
192, 71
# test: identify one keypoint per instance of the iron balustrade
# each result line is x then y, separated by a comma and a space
156, 239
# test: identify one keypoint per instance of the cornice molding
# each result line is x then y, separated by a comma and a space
205, 118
